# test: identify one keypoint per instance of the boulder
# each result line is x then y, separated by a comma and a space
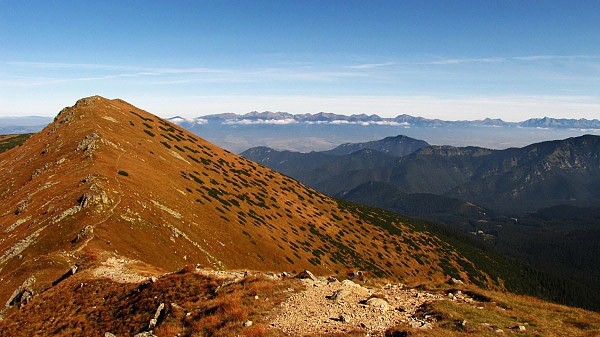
332, 279
305, 274
379, 303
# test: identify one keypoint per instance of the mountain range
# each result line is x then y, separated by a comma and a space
513, 180
268, 117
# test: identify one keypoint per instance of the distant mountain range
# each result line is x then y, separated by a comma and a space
27, 124
268, 117
514, 180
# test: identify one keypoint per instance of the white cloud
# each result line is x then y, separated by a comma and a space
554, 57
261, 121
465, 60
371, 65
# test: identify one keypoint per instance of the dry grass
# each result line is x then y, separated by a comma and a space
504, 311
193, 307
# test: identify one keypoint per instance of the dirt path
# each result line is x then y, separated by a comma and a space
315, 310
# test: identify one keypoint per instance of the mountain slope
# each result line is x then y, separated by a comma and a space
397, 146
108, 180
512, 180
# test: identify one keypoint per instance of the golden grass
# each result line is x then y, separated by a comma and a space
506, 312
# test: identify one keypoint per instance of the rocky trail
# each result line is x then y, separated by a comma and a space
330, 306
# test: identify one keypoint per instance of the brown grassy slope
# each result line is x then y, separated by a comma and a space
193, 307
106, 176
7, 142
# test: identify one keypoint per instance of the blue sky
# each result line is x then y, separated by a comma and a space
444, 59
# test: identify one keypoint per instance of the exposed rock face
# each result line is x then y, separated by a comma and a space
94, 196
23, 294
89, 144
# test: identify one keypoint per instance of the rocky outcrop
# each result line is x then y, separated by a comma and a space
157, 316
305, 274
23, 294
89, 144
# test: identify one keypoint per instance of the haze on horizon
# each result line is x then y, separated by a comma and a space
455, 61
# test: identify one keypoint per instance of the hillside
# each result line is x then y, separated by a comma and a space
482, 193
514, 180
397, 146
107, 181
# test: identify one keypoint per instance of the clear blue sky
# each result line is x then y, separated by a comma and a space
445, 59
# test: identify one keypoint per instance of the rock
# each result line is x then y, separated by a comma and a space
109, 334
415, 324
499, 331
332, 279
285, 274
306, 275
247, 323
153, 279
145, 334
21, 206
456, 281
157, 314
426, 326
344, 319
378, 303
355, 274
66, 275
349, 283
520, 328
23, 294
339, 295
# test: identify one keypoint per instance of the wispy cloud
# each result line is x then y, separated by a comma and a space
371, 65
183, 75
555, 57
466, 60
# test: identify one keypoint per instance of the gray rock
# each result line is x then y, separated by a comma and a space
306, 275
247, 323
154, 320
